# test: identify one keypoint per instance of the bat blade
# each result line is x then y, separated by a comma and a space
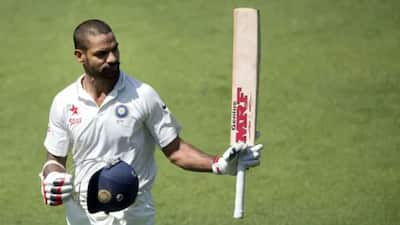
245, 69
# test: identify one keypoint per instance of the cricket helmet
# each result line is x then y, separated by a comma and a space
112, 188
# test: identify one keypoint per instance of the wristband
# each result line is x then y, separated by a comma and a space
49, 162
215, 167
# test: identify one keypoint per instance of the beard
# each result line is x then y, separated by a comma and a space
108, 71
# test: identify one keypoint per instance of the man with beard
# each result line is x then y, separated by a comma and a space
107, 117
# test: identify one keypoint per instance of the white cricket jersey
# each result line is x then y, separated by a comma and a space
129, 123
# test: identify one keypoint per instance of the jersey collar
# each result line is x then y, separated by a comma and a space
119, 86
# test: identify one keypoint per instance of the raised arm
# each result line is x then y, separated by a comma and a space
188, 157
191, 158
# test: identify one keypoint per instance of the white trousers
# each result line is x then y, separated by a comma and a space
140, 213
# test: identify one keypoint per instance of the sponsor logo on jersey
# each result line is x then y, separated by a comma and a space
75, 118
74, 110
73, 121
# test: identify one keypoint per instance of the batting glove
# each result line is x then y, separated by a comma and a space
247, 155
56, 188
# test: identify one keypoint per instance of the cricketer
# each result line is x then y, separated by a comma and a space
111, 124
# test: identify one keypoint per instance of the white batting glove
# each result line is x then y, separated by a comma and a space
56, 188
247, 155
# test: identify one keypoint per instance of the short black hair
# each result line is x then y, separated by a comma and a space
89, 27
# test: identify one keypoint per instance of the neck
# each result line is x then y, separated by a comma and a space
98, 88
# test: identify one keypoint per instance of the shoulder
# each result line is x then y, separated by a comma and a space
69, 92
143, 94
142, 89
66, 95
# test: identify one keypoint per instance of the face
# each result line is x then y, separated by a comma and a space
101, 59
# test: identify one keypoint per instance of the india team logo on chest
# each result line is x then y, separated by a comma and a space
121, 111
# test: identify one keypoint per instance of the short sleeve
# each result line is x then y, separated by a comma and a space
57, 140
159, 120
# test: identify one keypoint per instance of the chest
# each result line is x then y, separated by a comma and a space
113, 122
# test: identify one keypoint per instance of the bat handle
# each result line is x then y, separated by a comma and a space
240, 188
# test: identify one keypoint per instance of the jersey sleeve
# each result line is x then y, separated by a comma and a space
57, 140
159, 120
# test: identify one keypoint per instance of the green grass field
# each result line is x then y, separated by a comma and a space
329, 104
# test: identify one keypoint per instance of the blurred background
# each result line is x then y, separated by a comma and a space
329, 112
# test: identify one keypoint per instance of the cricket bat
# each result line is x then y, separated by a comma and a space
245, 68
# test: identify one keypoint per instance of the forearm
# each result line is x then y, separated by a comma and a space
56, 185
58, 165
188, 157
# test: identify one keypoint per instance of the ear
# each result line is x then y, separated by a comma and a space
79, 55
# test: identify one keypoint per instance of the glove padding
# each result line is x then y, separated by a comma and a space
56, 188
246, 155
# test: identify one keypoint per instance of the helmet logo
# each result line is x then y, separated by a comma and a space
104, 196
